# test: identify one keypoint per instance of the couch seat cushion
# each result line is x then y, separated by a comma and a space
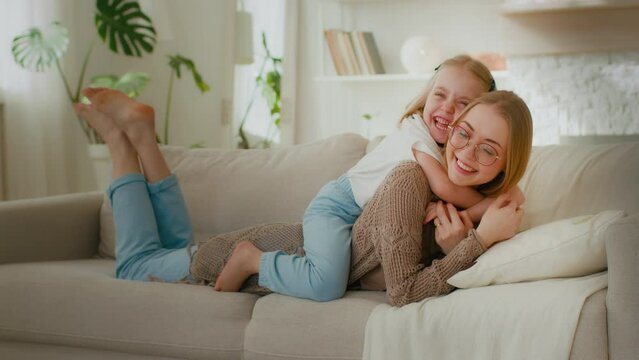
288, 328
79, 303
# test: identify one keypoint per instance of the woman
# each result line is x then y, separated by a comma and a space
488, 148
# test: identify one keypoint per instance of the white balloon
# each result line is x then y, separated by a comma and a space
420, 55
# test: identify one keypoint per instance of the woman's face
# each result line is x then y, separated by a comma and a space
454, 88
483, 126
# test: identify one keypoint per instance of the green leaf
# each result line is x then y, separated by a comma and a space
131, 83
270, 96
177, 61
39, 48
274, 80
103, 81
197, 145
122, 25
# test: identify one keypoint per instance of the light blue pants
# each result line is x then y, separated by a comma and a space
322, 274
152, 229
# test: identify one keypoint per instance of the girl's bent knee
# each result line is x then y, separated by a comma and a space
328, 291
328, 295
123, 272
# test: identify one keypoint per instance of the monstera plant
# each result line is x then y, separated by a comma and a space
124, 28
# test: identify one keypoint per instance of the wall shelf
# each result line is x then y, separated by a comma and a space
389, 77
533, 7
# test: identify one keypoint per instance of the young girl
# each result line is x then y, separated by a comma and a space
322, 274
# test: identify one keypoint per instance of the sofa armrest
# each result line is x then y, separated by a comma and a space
622, 302
50, 228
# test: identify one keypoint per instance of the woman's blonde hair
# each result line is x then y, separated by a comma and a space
473, 66
517, 115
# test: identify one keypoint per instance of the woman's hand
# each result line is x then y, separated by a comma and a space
451, 226
500, 222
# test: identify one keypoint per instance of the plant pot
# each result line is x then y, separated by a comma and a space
102, 169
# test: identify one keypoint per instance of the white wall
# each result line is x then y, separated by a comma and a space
551, 59
579, 94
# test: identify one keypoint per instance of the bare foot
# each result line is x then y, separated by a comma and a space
135, 119
101, 123
244, 262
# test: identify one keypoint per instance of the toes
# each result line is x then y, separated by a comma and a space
80, 109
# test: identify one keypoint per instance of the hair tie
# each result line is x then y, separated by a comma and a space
493, 86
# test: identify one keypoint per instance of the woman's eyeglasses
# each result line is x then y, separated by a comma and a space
459, 138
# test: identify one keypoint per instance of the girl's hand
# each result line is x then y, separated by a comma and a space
500, 222
451, 226
431, 212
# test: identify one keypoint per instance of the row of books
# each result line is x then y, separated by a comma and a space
353, 52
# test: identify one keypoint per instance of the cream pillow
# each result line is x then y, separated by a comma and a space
564, 248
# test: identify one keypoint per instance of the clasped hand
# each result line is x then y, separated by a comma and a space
451, 225
500, 222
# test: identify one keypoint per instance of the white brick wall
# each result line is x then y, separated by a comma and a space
580, 94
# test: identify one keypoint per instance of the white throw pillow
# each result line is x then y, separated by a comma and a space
564, 248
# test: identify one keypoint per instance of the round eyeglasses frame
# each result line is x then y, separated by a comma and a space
477, 147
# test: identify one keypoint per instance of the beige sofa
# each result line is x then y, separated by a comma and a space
59, 299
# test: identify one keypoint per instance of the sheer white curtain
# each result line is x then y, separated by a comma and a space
44, 147
268, 17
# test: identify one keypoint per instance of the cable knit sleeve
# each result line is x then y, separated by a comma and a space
407, 279
392, 222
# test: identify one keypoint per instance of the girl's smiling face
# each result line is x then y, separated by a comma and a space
453, 89
483, 125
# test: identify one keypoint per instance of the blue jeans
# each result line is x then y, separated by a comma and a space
152, 229
322, 274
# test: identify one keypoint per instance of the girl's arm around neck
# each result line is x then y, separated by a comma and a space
440, 184
476, 211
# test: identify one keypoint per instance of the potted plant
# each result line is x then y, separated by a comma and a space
125, 29
270, 83
122, 25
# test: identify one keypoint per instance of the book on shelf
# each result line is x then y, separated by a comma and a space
343, 45
373, 53
358, 46
353, 52
331, 41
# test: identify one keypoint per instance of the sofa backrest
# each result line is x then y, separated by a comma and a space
227, 190
564, 181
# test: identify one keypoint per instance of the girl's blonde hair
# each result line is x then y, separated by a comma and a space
517, 115
473, 66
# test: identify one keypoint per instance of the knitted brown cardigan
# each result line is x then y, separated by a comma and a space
388, 232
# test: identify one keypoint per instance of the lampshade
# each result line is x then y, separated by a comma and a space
243, 38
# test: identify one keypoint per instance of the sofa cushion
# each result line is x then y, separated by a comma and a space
79, 303
564, 248
226, 190
564, 181
288, 328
